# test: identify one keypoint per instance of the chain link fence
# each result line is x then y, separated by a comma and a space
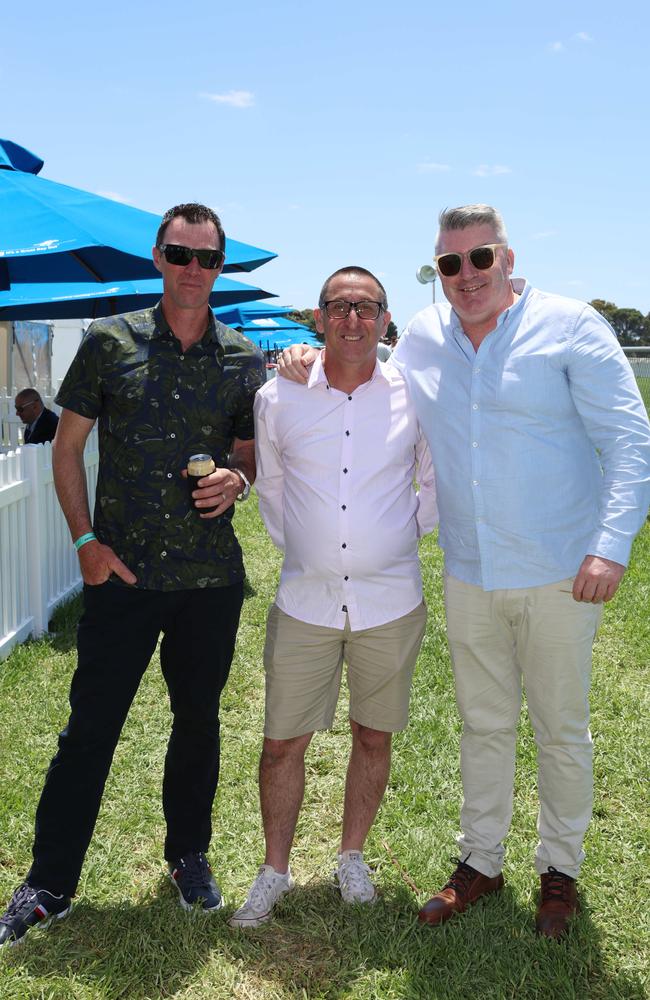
639, 358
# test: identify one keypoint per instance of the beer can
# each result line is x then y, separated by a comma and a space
199, 466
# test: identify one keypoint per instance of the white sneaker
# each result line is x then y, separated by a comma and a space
353, 877
266, 890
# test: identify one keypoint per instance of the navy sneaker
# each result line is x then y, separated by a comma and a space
192, 876
29, 907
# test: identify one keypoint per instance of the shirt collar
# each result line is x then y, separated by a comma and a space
161, 327
317, 374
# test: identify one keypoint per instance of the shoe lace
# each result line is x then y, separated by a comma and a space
196, 870
353, 874
262, 890
461, 878
555, 885
18, 899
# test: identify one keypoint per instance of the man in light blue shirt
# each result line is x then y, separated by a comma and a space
541, 446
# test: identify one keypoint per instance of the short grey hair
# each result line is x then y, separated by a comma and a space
473, 215
352, 269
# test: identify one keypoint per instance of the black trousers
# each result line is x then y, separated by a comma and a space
117, 636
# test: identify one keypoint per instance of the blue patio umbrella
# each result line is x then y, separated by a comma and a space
278, 332
50, 232
88, 300
243, 314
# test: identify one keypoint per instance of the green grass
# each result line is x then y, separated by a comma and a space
127, 937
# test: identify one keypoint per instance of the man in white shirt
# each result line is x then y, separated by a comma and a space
336, 465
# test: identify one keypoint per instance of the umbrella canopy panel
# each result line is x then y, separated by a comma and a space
242, 315
90, 301
50, 232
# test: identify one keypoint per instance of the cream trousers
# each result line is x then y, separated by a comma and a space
497, 639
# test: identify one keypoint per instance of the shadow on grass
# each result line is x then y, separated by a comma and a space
318, 948
123, 950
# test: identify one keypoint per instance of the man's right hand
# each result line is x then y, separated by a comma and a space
294, 362
98, 562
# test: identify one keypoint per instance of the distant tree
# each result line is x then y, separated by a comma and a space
630, 326
306, 317
391, 330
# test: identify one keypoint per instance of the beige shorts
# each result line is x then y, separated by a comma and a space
303, 665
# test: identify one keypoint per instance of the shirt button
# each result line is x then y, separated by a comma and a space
182, 357
349, 397
167, 517
344, 607
344, 506
475, 406
346, 577
475, 482
347, 434
345, 545
176, 396
169, 475
163, 553
345, 470
477, 371
172, 435
474, 444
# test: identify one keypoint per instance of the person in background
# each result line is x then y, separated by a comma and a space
163, 384
541, 446
336, 463
40, 423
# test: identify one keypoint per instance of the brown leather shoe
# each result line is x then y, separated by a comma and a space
464, 887
558, 903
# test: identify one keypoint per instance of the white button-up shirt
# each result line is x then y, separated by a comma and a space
335, 478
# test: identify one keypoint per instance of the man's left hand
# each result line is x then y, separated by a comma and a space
220, 488
597, 580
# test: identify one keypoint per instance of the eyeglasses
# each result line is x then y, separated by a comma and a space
25, 406
482, 258
209, 260
339, 309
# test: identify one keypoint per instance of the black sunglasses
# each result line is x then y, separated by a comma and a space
209, 260
482, 258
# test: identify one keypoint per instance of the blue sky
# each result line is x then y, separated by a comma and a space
334, 133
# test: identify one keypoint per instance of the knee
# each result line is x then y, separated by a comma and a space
276, 752
370, 740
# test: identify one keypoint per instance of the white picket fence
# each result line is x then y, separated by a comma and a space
39, 567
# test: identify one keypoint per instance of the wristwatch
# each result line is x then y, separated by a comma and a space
246, 488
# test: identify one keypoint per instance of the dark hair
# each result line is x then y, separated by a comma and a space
29, 395
352, 269
193, 213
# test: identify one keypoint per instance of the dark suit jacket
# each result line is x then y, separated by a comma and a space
45, 428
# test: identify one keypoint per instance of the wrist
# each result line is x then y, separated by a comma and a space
88, 536
245, 485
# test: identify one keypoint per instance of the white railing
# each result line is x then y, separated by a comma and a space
38, 564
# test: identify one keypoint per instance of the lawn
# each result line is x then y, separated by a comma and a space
127, 937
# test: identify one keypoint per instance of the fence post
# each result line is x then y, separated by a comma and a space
33, 457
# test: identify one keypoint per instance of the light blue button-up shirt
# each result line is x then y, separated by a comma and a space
540, 439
